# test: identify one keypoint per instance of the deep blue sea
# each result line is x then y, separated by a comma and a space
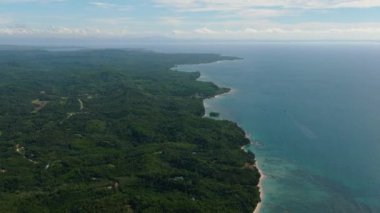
313, 110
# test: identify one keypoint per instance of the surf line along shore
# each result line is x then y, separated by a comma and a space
244, 148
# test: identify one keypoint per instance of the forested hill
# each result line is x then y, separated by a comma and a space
116, 131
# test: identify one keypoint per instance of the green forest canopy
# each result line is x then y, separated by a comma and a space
116, 131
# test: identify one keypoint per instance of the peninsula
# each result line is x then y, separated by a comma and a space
116, 130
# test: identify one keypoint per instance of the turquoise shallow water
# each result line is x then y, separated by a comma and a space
314, 112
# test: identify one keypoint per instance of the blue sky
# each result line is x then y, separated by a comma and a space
192, 19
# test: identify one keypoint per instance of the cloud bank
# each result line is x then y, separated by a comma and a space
193, 19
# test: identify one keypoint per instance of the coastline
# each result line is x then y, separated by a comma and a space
261, 180
205, 106
261, 189
262, 176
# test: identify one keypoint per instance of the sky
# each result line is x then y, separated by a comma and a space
191, 19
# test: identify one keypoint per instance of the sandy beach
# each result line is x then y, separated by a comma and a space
262, 177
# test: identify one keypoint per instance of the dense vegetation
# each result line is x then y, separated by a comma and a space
116, 131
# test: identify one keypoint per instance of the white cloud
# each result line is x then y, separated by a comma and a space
30, 1
5, 20
119, 22
172, 21
228, 5
264, 13
102, 5
205, 31
105, 5
358, 4
309, 31
220, 19
64, 32
260, 31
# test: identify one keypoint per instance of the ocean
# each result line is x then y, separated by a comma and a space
312, 111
